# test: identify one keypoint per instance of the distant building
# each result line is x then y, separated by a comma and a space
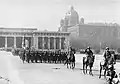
31, 37
94, 34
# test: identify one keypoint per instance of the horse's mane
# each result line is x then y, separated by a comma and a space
111, 60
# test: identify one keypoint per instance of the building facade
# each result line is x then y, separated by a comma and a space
40, 40
94, 34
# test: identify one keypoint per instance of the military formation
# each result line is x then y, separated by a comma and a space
36, 56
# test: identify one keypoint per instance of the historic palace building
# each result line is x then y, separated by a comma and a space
94, 34
40, 40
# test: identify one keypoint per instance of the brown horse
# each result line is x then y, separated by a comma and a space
88, 62
104, 66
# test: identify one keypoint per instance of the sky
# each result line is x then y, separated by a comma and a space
46, 14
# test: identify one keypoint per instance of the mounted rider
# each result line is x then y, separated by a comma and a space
113, 77
88, 52
106, 55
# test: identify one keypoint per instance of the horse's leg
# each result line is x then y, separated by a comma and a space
67, 66
91, 71
23, 61
86, 68
105, 73
100, 71
73, 65
83, 68
70, 65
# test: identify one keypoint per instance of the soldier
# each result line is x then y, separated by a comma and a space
32, 56
48, 56
35, 56
51, 56
88, 52
62, 57
40, 56
54, 57
28, 55
106, 55
45, 58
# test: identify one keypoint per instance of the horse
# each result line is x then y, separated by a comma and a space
70, 61
104, 65
88, 61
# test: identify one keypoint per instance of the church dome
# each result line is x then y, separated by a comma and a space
74, 17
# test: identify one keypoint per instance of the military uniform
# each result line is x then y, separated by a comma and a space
88, 53
106, 56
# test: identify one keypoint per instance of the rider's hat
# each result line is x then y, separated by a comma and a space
88, 47
107, 48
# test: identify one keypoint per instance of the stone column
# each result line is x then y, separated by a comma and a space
36, 42
54, 43
60, 43
48, 42
22, 41
14, 42
5, 41
32, 39
42, 42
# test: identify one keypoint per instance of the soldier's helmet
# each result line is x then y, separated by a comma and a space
88, 47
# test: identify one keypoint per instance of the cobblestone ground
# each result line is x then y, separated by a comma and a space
40, 73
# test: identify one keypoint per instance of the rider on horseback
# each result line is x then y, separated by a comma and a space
106, 55
112, 75
88, 52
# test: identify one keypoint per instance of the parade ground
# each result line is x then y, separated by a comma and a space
11, 67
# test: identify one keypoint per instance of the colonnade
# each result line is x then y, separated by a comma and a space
13, 42
50, 42
38, 42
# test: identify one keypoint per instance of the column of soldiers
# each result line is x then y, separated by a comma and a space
34, 56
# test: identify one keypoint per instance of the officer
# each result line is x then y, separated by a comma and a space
88, 52
106, 55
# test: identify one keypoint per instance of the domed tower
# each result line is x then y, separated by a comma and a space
73, 17
66, 20
61, 23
